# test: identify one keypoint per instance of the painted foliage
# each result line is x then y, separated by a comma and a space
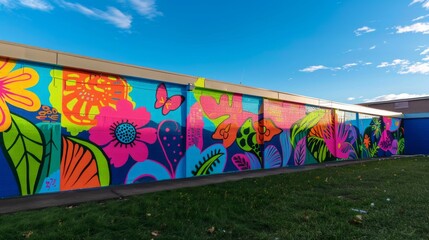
64, 129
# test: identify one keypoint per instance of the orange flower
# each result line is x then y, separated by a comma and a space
13, 85
80, 96
266, 130
366, 141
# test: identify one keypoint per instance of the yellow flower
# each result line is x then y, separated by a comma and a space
13, 85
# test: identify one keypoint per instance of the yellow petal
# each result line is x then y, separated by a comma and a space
6, 65
21, 79
23, 99
5, 118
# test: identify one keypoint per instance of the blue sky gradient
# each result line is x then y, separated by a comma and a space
347, 51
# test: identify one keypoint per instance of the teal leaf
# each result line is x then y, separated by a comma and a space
51, 159
286, 147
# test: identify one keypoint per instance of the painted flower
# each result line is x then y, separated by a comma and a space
339, 139
79, 96
367, 141
122, 133
386, 140
233, 114
266, 130
13, 85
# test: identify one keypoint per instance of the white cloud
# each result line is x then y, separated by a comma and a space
419, 48
6, 3
372, 47
363, 30
416, 28
146, 8
416, 68
344, 67
314, 68
349, 65
394, 97
36, 4
426, 58
396, 62
426, 5
425, 52
112, 15
42, 5
416, 1
420, 18
350, 98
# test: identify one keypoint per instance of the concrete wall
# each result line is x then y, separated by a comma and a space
64, 128
406, 106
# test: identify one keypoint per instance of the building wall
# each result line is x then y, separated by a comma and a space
63, 129
416, 105
417, 137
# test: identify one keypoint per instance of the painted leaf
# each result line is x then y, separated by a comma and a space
246, 136
272, 158
394, 148
401, 146
254, 161
101, 160
24, 146
83, 165
286, 147
316, 142
241, 162
52, 135
147, 169
374, 150
346, 151
170, 136
211, 161
300, 152
302, 126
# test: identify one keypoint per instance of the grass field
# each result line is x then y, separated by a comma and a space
305, 205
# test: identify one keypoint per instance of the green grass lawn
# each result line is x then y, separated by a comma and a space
305, 205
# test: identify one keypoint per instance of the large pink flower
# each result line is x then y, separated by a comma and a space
122, 134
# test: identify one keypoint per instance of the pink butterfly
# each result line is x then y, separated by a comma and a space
167, 103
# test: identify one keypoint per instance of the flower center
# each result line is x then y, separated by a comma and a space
125, 133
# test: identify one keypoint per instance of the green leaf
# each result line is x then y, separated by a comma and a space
318, 149
373, 150
51, 159
246, 136
401, 146
100, 158
24, 145
303, 125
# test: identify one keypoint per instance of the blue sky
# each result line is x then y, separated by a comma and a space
343, 50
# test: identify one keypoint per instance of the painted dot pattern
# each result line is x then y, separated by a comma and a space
125, 133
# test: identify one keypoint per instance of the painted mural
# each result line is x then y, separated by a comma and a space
64, 129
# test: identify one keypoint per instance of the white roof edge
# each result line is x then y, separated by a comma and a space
41, 55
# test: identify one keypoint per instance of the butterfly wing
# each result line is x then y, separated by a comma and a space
161, 96
172, 103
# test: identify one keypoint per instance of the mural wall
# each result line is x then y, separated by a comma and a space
63, 129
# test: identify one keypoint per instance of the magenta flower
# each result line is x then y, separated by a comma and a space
121, 133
